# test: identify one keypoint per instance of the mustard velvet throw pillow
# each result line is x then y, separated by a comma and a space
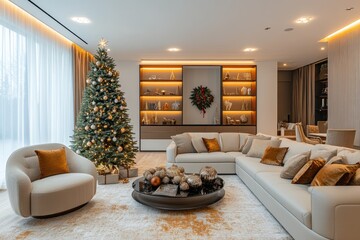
211, 145
274, 155
334, 174
307, 173
52, 162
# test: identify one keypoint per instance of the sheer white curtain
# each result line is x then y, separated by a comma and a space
36, 84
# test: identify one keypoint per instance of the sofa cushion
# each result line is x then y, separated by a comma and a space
295, 198
243, 138
349, 156
183, 143
294, 164
236, 154
307, 173
211, 144
294, 148
229, 142
259, 146
274, 156
52, 162
60, 192
247, 145
323, 153
213, 157
204, 135
252, 166
334, 174
198, 144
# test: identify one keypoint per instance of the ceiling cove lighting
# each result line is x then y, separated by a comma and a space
173, 49
322, 48
197, 62
342, 30
250, 49
284, 64
82, 20
303, 20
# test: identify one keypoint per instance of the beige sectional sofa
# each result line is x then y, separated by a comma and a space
305, 212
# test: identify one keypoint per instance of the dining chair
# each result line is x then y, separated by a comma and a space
311, 129
341, 137
300, 136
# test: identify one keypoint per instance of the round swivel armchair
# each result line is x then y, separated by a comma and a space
31, 195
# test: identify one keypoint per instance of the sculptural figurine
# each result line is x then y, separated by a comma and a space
243, 119
243, 90
228, 105
175, 105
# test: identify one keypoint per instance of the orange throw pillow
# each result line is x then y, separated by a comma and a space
334, 174
52, 162
211, 145
274, 156
307, 173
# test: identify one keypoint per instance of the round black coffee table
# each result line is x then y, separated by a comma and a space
143, 193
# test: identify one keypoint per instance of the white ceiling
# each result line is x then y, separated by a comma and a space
203, 29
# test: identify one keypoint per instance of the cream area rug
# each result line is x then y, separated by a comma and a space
113, 214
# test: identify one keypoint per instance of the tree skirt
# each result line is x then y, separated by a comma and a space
113, 214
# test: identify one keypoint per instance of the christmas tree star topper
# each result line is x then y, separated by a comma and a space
103, 43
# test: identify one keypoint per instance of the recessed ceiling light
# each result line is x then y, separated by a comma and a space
288, 29
303, 20
349, 9
322, 48
250, 49
81, 19
284, 64
267, 28
173, 49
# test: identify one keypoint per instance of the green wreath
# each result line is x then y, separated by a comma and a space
202, 98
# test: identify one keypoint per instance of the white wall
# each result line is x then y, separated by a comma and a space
129, 80
344, 82
266, 94
267, 97
207, 77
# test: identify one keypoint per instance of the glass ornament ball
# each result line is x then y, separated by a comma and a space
88, 81
105, 97
100, 79
93, 103
112, 80
93, 141
93, 126
101, 90
78, 151
94, 69
105, 126
93, 83
87, 128
98, 63
120, 149
114, 139
123, 130
110, 73
114, 110
109, 139
110, 117
96, 109
116, 101
88, 144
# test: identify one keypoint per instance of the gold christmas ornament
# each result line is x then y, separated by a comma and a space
88, 81
93, 141
88, 144
96, 109
105, 98
105, 126
123, 130
100, 79
120, 149
109, 139
98, 63
110, 117
87, 128
93, 127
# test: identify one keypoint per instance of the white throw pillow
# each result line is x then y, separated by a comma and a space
294, 164
323, 153
198, 144
230, 142
259, 146
247, 145
349, 156
183, 143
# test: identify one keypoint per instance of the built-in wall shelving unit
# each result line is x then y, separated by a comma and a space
162, 102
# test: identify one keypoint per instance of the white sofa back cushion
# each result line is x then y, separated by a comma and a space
208, 135
229, 142
294, 148
198, 144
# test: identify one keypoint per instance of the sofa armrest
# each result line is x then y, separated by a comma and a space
171, 152
335, 211
80, 164
19, 189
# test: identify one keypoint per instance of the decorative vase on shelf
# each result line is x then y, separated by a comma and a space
243, 118
243, 90
249, 91
227, 76
172, 76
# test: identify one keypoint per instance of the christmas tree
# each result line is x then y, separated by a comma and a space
103, 132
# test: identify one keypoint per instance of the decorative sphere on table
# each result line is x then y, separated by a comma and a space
194, 181
155, 181
208, 174
184, 186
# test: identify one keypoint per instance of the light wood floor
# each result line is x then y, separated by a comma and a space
144, 160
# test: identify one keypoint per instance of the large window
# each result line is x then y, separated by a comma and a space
36, 85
